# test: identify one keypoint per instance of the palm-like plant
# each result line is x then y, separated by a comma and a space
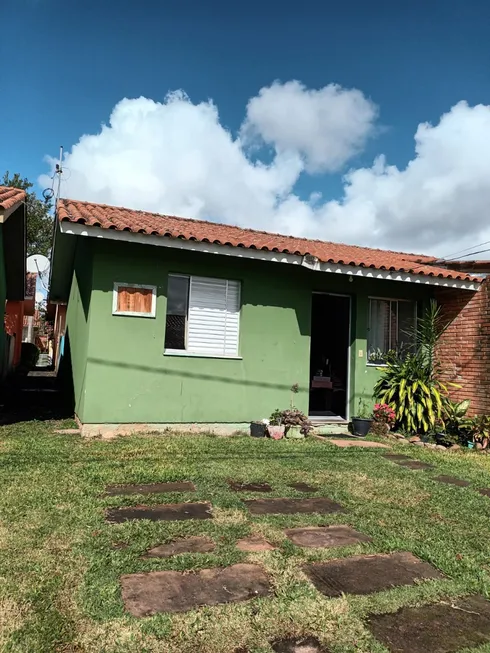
410, 383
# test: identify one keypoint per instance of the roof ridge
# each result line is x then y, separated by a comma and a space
417, 258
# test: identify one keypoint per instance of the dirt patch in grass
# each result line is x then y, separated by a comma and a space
451, 480
238, 486
185, 545
414, 464
12, 617
303, 487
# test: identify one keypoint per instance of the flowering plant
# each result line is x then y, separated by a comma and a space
384, 413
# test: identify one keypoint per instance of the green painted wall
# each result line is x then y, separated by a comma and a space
127, 378
3, 299
77, 324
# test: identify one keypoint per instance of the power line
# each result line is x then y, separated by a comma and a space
459, 252
480, 251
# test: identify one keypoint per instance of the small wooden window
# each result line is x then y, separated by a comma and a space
134, 300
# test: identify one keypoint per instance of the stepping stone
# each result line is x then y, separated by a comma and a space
249, 487
413, 464
162, 512
184, 545
303, 487
176, 591
440, 628
298, 645
369, 573
485, 492
151, 488
313, 537
254, 544
396, 456
292, 506
451, 480
368, 444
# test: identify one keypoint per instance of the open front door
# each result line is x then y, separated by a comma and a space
329, 356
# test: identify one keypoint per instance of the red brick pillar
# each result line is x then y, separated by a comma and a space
464, 348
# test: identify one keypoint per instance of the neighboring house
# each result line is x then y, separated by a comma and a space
12, 274
172, 320
17, 319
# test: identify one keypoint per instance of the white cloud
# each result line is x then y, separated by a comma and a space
326, 126
175, 157
439, 202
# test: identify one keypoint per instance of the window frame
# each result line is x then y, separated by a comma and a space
387, 299
193, 354
121, 284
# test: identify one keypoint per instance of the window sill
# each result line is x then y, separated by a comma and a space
132, 314
193, 354
376, 365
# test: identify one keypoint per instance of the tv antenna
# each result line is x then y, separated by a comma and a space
50, 193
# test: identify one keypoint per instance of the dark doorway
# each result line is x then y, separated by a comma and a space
329, 369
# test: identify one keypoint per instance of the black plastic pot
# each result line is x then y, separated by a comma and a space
258, 429
361, 426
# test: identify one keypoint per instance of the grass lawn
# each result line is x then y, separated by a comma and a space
60, 572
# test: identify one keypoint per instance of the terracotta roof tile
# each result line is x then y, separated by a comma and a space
9, 197
122, 219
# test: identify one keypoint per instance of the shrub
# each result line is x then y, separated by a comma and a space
410, 383
384, 414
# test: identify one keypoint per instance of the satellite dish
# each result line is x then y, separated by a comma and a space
37, 263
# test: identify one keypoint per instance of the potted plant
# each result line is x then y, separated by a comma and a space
362, 422
297, 425
276, 428
258, 429
478, 428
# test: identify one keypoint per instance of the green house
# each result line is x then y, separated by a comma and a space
175, 321
12, 268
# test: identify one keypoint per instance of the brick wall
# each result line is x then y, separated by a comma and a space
464, 348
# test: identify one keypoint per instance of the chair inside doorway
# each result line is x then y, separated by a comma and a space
330, 322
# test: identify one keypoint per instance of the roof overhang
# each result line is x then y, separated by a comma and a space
6, 213
71, 228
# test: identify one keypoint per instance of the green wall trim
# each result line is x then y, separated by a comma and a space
121, 375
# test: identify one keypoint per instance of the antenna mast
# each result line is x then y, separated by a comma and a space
49, 193
58, 172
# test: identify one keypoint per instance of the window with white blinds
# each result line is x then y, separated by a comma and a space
203, 316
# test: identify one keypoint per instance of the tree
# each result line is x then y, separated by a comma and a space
39, 221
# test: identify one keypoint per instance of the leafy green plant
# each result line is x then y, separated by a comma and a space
478, 429
363, 411
454, 415
276, 418
410, 383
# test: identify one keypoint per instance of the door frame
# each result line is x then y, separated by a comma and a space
349, 345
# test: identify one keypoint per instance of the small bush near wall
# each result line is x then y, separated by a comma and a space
411, 382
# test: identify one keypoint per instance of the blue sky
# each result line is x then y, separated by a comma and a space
71, 62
